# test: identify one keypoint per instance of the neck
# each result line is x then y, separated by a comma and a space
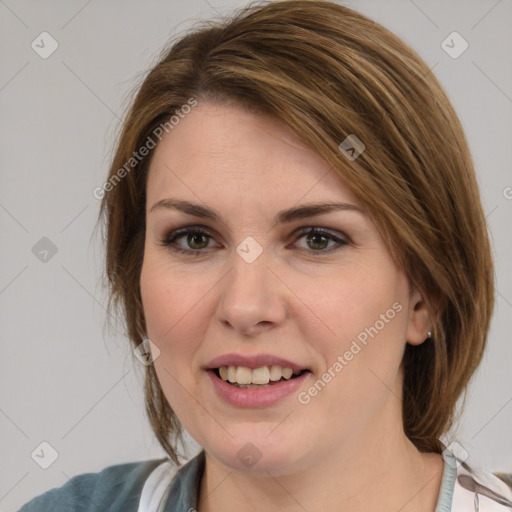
389, 476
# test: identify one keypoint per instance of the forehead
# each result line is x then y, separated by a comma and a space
225, 152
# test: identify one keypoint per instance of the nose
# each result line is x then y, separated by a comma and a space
252, 297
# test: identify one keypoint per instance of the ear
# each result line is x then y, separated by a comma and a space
420, 322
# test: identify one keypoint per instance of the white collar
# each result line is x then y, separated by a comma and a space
472, 490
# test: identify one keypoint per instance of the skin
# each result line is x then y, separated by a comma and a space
289, 302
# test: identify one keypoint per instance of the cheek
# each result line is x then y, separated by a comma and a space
173, 310
359, 303
366, 317
169, 295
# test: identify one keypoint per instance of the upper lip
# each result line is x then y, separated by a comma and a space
252, 362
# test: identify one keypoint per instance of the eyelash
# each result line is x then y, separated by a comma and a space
171, 238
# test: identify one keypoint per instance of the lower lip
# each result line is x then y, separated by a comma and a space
263, 397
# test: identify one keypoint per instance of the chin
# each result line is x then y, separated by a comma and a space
254, 452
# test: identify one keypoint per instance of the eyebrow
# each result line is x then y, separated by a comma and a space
303, 211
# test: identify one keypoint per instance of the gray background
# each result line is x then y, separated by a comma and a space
66, 381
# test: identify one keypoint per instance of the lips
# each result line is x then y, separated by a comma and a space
255, 381
258, 396
253, 362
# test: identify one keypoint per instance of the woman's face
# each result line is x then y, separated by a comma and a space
254, 291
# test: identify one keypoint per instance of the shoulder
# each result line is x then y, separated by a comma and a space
480, 490
115, 488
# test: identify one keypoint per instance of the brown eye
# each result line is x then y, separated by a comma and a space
317, 241
196, 240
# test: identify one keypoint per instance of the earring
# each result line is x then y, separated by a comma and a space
429, 335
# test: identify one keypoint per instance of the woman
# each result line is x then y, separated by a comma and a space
291, 223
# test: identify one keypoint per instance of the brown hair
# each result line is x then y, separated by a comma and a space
329, 72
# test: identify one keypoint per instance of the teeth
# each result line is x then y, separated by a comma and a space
259, 376
275, 373
287, 372
243, 375
231, 374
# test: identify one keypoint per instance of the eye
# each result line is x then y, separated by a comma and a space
318, 239
197, 240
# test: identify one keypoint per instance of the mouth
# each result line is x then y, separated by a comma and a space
243, 377
257, 380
